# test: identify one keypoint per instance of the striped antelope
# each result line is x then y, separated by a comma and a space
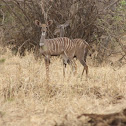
53, 47
81, 46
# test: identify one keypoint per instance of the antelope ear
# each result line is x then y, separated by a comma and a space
38, 23
49, 22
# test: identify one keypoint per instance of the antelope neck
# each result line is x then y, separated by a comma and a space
42, 39
62, 32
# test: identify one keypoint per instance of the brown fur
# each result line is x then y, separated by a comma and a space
54, 47
81, 47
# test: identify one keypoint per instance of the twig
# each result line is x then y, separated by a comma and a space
22, 45
18, 5
3, 17
110, 5
14, 13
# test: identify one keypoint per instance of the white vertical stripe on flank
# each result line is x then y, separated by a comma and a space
54, 45
68, 44
58, 45
63, 43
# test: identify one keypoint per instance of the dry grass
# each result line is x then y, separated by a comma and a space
26, 100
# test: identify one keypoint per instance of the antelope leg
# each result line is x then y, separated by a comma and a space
85, 67
74, 67
47, 62
65, 61
64, 66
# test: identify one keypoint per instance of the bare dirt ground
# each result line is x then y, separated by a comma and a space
26, 99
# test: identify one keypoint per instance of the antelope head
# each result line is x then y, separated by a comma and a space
44, 28
60, 28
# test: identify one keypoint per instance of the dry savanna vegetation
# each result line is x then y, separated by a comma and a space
25, 97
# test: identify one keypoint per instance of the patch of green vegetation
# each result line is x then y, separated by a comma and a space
2, 60
10, 99
123, 2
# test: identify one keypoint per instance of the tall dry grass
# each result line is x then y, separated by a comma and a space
26, 99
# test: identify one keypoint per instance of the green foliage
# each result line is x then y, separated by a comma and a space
123, 3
